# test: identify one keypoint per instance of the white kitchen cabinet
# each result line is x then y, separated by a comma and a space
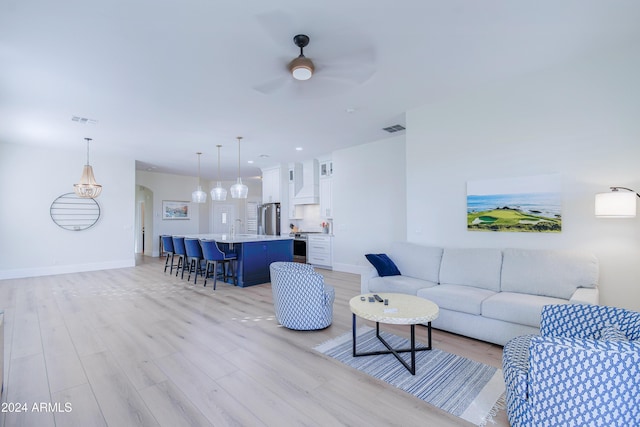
326, 210
271, 185
326, 169
319, 250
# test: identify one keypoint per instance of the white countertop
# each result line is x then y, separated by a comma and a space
238, 238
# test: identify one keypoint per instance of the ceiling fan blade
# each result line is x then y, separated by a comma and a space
280, 26
356, 67
354, 75
273, 85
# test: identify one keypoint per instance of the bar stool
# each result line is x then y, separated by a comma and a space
213, 255
194, 258
167, 246
181, 252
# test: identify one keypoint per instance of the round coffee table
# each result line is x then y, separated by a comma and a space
401, 309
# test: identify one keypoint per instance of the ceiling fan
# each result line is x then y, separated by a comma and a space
301, 68
321, 75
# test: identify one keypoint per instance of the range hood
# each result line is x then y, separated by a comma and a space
308, 184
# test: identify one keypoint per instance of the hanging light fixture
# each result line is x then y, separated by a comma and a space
87, 188
239, 190
219, 193
199, 196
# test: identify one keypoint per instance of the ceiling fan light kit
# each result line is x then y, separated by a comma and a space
301, 68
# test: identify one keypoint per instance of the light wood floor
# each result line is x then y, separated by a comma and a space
134, 346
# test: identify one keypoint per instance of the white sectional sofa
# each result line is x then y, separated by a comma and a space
489, 294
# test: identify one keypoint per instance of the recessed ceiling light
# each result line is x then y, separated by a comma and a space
350, 110
298, 148
250, 161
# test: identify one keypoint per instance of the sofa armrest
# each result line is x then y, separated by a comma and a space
585, 296
367, 274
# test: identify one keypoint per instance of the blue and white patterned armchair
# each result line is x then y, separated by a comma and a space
301, 299
582, 370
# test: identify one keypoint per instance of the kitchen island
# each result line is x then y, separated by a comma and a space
255, 253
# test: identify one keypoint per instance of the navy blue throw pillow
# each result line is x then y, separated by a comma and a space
383, 264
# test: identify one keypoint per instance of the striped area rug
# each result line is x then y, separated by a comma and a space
467, 389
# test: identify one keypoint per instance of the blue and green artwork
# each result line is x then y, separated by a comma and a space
521, 204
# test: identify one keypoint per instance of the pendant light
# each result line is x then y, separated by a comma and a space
219, 193
199, 196
239, 190
87, 188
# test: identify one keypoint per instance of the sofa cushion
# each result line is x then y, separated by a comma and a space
479, 268
466, 299
551, 273
413, 260
398, 284
383, 264
517, 308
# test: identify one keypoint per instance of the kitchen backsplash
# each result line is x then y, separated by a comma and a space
311, 218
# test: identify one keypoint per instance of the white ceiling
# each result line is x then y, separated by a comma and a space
167, 78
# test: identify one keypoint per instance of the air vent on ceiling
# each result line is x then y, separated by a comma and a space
83, 120
394, 128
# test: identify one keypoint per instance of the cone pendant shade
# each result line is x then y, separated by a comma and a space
239, 190
219, 193
199, 196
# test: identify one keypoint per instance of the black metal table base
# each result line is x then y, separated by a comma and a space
395, 351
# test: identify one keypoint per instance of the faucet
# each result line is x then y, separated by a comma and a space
239, 223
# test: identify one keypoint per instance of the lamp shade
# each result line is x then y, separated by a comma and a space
199, 196
219, 193
239, 190
616, 204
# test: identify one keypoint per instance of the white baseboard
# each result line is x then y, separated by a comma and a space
65, 269
348, 268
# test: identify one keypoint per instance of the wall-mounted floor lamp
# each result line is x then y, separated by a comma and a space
616, 203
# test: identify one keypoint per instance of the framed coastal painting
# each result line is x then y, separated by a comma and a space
174, 209
521, 204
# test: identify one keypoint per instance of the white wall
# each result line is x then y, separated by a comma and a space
369, 200
32, 244
580, 121
178, 187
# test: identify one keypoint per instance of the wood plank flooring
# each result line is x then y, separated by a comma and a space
137, 347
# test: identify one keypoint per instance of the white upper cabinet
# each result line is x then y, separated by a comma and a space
326, 169
326, 210
271, 185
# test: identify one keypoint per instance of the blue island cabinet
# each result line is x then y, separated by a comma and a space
254, 259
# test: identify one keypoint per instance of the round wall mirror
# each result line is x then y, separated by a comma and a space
74, 213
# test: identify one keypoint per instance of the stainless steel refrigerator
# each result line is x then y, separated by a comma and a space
269, 219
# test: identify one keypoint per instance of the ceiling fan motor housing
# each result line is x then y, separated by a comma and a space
301, 68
